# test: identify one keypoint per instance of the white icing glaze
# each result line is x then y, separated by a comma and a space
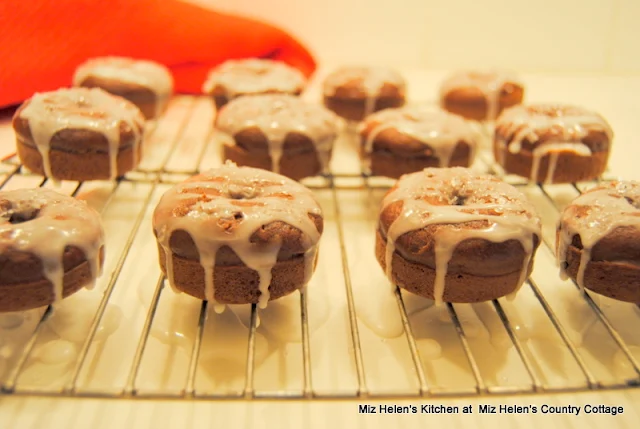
429, 349
277, 115
56, 352
73, 316
81, 109
147, 74
281, 321
489, 83
592, 216
254, 76
60, 222
370, 81
505, 210
439, 130
493, 324
248, 198
569, 124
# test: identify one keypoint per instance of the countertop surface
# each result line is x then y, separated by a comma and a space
615, 97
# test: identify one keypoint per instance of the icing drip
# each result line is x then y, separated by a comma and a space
433, 197
147, 74
592, 216
81, 109
569, 125
45, 223
277, 115
254, 76
225, 207
439, 130
553, 150
489, 83
370, 81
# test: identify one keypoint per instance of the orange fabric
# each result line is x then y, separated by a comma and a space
43, 41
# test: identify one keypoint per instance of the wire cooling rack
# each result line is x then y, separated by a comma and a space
596, 350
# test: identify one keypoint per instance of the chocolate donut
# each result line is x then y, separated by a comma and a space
278, 132
480, 95
146, 84
50, 246
598, 240
355, 92
238, 235
78, 134
409, 139
453, 236
252, 76
552, 143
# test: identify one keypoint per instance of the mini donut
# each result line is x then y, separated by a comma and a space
278, 132
146, 84
238, 235
78, 134
598, 240
451, 235
252, 76
552, 143
480, 95
355, 92
409, 139
51, 245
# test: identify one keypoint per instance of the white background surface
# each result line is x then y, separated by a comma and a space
544, 35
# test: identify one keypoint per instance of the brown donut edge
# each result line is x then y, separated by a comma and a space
471, 103
221, 96
67, 165
235, 284
419, 279
144, 98
570, 167
394, 154
388, 164
295, 166
615, 279
27, 295
354, 109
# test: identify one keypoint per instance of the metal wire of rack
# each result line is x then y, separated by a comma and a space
334, 185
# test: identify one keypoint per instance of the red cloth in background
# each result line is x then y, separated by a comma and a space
43, 41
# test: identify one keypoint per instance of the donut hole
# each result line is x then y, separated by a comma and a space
241, 192
459, 200
22, 216
634, 203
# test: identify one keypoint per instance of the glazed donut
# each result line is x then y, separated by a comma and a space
355, 92
50, 246
252, 76
480, 95
278, 132
238, 235
552, 143
451, 235
598, 240
78, 134
409, 139
146, 84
